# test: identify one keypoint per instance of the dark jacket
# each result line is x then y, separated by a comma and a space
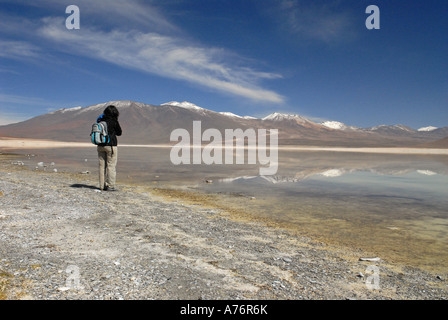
113, 129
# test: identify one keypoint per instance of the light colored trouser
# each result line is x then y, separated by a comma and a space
107, 165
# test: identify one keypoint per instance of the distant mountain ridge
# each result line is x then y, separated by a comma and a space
152, 124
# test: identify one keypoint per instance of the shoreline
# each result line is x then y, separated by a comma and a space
139, 243
11, 143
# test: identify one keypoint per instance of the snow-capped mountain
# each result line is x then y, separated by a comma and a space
192, 106
121, 104
150, 124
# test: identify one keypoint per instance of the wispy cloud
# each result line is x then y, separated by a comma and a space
122, 14
164, 55
326, 21
10, 117
7, 70
22, 100
134, 34
16, 108
18, 50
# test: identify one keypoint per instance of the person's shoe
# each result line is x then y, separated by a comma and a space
111, 189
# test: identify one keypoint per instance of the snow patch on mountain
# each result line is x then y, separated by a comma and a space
427, 129
64, 110
334, 125
230, 114
427, 172
405, 128
185, 104
70, 109
120, 104
277, 116
332, 173
378, 127
397, 126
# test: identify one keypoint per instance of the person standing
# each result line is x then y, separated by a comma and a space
108, 152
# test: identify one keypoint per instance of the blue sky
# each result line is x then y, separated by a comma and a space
249, 57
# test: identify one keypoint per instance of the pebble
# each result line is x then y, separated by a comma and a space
370, 259
135, 246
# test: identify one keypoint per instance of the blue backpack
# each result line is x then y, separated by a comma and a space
99, 134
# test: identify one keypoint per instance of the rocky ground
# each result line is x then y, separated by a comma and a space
60, 238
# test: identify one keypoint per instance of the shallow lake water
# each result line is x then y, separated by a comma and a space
394, 206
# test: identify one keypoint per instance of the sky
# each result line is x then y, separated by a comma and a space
250, 57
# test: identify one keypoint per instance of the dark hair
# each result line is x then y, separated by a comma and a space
111, 111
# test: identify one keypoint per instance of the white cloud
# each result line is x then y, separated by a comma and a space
163, 55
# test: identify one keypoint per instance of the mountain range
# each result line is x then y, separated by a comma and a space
153, 124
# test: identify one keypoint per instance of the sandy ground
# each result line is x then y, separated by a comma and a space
63, 239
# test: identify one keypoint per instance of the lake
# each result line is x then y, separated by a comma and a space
392, 205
